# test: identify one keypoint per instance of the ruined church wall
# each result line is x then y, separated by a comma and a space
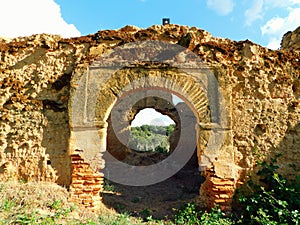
264, 102
266, 113
36, 80
35, 75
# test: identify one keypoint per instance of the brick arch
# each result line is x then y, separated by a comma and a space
198, 89
129, 80
156, 65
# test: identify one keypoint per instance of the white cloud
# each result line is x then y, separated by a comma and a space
273, 26
255, 12
259, 7
276, 27
222, 7
151, 117
274, 43
281, 3
27, 17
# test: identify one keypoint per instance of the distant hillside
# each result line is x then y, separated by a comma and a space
149, 138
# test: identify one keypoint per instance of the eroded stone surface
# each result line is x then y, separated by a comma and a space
291, 40
40, 74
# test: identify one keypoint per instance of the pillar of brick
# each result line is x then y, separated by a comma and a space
217, 191
86, 185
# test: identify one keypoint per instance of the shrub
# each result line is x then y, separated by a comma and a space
215, 217
275, 201
191, 216
188, 215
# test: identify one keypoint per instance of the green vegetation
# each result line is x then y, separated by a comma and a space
274, 202
32, 203
108, 186
47, 203
190, 216
148, 138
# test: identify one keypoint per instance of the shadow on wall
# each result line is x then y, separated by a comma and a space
287, 155
56, 132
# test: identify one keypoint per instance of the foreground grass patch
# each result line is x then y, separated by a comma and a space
273, 202
48, 203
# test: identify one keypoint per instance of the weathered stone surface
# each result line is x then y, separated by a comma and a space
40, 74
291, 40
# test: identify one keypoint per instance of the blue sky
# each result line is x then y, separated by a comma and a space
262, 21
234, 19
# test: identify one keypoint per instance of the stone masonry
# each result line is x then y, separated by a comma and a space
45, 135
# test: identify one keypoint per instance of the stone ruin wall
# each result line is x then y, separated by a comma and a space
38, 73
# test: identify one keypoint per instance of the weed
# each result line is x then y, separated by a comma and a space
56, 204
145, 212
7, 205
215, 217
108, 186
275, 201
120, 219
191, 216
188, 215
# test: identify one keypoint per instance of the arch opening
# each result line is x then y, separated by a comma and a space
150, 132
161, 198
150, 139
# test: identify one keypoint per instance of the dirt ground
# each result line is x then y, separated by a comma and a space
159, 200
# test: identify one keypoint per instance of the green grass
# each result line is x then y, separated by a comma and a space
47, 203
